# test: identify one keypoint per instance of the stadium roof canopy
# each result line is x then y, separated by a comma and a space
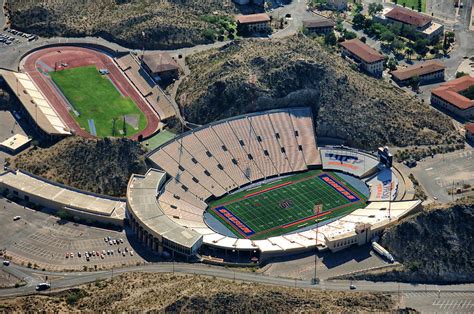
37, 106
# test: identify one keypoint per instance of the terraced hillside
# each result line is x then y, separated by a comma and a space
252, 75
166, 24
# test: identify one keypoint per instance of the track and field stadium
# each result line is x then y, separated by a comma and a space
254, 187
88, 93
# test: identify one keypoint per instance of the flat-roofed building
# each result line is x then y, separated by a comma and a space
421, 22
78, 204
16, 143
161, 66
368, 58
428, 72
254, 23
449, 96
469, 132
319, 26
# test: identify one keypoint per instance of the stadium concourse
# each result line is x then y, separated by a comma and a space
168, 205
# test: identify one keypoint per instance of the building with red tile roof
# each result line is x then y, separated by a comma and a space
369, 59
448, 96
429, 71
407, 16
254, 22
469, 131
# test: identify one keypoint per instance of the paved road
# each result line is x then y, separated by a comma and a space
65, 280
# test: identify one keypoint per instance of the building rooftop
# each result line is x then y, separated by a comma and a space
418, 69
15, 142
450, 92
69, 197
363, 51
253, 18
35, 103
407, 16
315, 23
469, 128
160, 62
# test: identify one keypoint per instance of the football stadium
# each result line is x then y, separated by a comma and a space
82, 91
254, 187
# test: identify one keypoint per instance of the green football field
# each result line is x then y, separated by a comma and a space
286, 205
98, 102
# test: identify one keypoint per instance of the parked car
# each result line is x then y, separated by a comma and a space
6, 263
16, 218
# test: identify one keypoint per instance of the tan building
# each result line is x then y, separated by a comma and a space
80, 205
368, 58
161, 66
428, 72
319, 26
254, 23
469, 132
448, 96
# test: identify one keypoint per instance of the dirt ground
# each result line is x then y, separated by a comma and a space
7, 280
190, 293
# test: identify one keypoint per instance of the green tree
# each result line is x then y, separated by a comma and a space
349, 35
392, 64
397, 44
421, 46
330, 39
460, 74
375, 8
415, 82
358, 20
387, 36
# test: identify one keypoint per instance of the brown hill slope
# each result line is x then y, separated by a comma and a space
190, 294
166, 24
254, 75
96, 165
436, 245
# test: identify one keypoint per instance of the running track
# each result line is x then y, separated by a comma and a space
78, 57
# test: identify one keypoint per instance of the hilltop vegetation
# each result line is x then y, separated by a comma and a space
166, 24
96, 165
168, 293
252, 75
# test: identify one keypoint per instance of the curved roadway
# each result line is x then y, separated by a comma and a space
68, 279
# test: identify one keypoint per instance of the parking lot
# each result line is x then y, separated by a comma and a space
444, 172
41, 240
11, 37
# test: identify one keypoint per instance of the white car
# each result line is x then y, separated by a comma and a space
6, 263
131, 253
16, 218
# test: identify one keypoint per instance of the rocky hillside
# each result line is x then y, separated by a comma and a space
252, 75
436, 246
166, 23
167, 293
96, 165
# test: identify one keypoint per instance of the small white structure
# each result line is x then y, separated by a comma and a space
15, 143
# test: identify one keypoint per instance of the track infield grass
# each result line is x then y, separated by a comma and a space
286, 205
95, 97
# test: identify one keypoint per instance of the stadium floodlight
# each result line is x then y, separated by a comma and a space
317, 210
